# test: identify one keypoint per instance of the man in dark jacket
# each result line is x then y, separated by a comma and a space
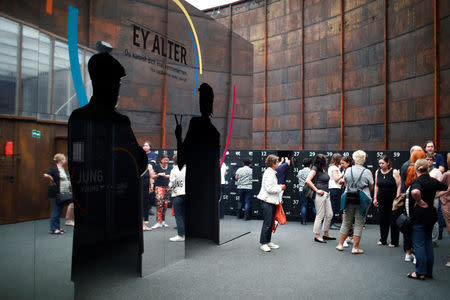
105, 163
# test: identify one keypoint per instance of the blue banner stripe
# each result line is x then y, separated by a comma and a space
72, 31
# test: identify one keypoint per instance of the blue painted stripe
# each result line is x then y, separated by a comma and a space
196, 63
72, 32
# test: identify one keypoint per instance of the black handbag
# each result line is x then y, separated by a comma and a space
63, 199
404, 223
308, 192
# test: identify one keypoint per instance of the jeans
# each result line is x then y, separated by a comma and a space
56, 213
304, 207
269, 216
441, 221
335, 198
179, 209
423, 249
245, 198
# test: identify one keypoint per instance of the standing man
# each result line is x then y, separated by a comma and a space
244, 185
439, 162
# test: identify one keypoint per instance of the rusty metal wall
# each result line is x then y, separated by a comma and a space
149, 98
347, 74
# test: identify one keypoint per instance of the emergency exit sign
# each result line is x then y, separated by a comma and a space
36, 134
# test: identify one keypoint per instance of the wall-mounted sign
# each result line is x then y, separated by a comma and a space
36, 134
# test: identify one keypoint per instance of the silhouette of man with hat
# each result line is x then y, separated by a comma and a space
200, 151
105, 163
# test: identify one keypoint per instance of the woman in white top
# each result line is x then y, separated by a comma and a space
177, 184
270, 197
334, 187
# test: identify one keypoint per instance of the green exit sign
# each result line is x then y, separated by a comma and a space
36, 134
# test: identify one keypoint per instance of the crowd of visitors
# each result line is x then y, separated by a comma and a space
339, 192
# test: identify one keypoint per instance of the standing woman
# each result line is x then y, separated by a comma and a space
177, 180
147, 188
360, 178
161, 176
270, 196
59, 183
387, 188
346, 162
334, 186
322, 202
422, 192
444, 196
410, 175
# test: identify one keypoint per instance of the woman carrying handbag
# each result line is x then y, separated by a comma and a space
270, 195
59, 191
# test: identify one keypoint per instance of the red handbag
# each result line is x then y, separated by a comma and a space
280, 218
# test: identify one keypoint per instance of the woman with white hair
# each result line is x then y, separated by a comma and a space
357, 178
59, 182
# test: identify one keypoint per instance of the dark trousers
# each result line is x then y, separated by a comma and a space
304, 207
222, 202
387, 221
56, 213
245, 198
145, 201
179, 210
407, 242
335, 198
423, 249
441, 221
269, 216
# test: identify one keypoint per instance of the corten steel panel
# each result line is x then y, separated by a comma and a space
410, 63
143, 90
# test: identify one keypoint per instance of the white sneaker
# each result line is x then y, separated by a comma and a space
349, 240
345, 245
157, 225
265, 248
177, 239
164, 224
273, 246
409, 257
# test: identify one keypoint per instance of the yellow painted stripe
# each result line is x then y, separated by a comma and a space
177, 2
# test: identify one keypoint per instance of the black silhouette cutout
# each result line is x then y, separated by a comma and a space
105, 163
200, 152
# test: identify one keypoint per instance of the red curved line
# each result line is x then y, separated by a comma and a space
231, 127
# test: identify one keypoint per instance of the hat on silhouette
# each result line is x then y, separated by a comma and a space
103, 66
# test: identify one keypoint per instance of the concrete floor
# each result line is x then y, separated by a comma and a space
300, 269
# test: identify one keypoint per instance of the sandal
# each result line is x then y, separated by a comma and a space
379, 243
62, 230
57, 231
357, 251
447, 264
146, 228
417, 277
340, 248
392, 246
